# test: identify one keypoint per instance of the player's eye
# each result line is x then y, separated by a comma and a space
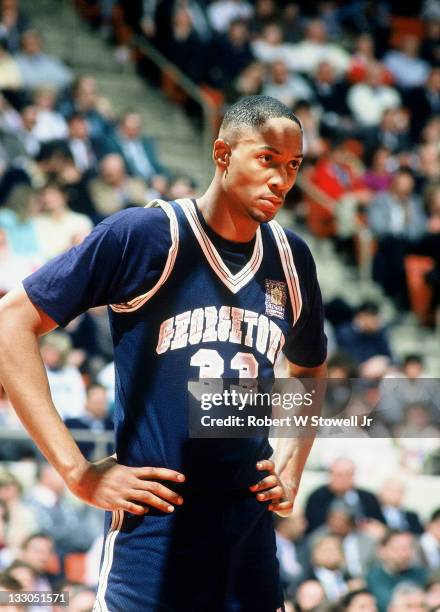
266, 158
294, 164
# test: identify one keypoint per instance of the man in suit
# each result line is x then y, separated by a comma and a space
397, 517
137, 150
363, 504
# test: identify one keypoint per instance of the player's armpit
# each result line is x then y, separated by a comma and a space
17, 310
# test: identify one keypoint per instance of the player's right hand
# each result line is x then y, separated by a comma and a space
108, 485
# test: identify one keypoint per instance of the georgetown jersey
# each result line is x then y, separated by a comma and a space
178, 312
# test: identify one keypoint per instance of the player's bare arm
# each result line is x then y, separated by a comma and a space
281, 485
104, 484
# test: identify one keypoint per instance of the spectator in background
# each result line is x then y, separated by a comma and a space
137, 150
359, 548
430, 542
80, 145
38, 68
369, 99
269, 47
113, 190
404, 63
358, 600
363, 504
432, 591
310, 597
13, 268
378, 176
330, 93
84, 98
249, 82
407, 596
265, 12
230, 54
22, 521
430, 47
17, 219
72, 527
395, 566
424, 102
95, 419
365, 336
392, 133
363, 56
184, 47
313, 145
315, 48
222, 13
328, 567
50, 124
58, 227
286, 87
396, 516
66, 385
395, 217
13, 23
292, 550
38, 552
10, 77
24, 573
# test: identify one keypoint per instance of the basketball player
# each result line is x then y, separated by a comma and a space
196, 288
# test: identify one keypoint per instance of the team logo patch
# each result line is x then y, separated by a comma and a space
276, 297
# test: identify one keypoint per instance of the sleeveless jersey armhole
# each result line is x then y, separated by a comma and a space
137, 302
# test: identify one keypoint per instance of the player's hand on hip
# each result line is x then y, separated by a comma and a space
272, 489
111, 486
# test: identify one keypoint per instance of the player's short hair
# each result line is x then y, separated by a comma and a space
254, 111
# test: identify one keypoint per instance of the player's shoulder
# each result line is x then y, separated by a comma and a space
137, 221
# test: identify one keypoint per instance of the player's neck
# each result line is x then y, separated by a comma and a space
223, 218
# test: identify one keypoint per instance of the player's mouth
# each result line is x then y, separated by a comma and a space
271, 203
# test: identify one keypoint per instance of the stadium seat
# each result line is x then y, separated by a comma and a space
420, 293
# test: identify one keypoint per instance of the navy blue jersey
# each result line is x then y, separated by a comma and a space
178, 312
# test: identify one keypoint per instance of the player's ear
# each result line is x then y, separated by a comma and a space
221, 154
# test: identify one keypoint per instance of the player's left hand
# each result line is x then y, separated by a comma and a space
273, 489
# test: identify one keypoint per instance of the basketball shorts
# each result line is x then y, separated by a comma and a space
215, 553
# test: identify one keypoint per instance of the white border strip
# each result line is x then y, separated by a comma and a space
233, 282
140, 300
116, 524
289, 269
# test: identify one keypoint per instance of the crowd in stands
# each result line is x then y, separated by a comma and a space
368, 97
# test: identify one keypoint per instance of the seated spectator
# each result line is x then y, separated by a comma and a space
66, 385
13, 268
137, 150
269, 47
184, 48
10, 77
81, 598
341, 486
80, 145
70, 526
315, 48
427, 171
407, 596
378, 176
395, 216
328, 567
430, 542
17, 219
404, 63
22, 521
9, 584
58, 227
313, 145
368, 100
396, 516
113, 190
222, 13
37, 68
286, 87
24, 573
430, 46
363, 56
13, 23
359, 600
433, 591
249, 82
265, 12
84, 98
392, 133
230, 54
395, 566
38, 551
364, 337
292, 550
50, 124
359, 548
95, 419
424, 102
310, 597
330, 93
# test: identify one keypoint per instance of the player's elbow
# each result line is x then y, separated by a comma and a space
18, 314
